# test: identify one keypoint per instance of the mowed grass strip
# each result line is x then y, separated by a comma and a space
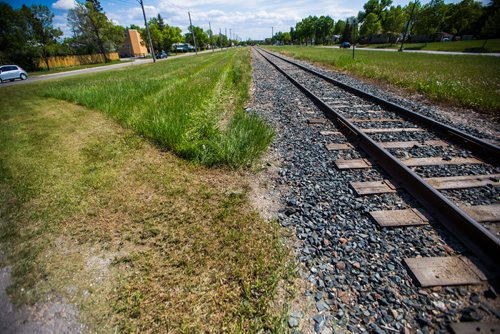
181, 104
140, 239
475, 46
467, 81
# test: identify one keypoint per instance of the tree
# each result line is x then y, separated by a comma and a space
394, 22
339, 27
371, 26
430, 18
14, 37
376, 7
93, 29
324, 29
43, 35
464, 18
201, 36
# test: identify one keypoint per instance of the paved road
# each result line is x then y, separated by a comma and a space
92, 70
428, 52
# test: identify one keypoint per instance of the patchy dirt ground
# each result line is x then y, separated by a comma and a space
53, 315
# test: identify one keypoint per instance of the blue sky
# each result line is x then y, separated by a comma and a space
247, 18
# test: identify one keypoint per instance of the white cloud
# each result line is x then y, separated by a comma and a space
63, 4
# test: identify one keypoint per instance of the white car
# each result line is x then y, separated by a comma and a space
11, 73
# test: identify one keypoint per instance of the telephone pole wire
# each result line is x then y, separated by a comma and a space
149, 34
192, 32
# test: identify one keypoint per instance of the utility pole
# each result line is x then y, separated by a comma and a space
230, 37
147, 29
408, 26
211, 36
272, 35
225, 33
192, 32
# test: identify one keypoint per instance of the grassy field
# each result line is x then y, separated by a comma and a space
192, 105
492, 45
73, 68
467, 81
140, 239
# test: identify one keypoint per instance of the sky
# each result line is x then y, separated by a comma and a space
252, 19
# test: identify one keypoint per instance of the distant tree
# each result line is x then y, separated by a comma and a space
43, 35
430, 19
14, 37
161, 22
376, 7
201, 36
491, 27
324, 29
339, 27
394, 22
92, 28
464, 18
371, 26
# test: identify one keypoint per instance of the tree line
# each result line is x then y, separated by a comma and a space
380, 17
28, 34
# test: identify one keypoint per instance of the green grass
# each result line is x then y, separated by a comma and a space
74, 68
493, 45
467, 81
191, 105
138, 238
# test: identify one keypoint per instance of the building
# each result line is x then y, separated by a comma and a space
132, 45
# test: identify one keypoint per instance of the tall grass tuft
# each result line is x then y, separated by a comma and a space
181, 104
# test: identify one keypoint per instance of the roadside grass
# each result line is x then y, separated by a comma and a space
475, 46
140, 239
74, 68
466, 81
180, 104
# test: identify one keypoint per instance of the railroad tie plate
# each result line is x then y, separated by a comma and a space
316, 121
437, 161
444, 271
329, 133
381, 119
483, 213
352, 163
461, 182
373, 187
475, 327
336, 147
412, 143
399, 218
386, 130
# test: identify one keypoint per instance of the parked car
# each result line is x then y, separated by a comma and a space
11, 73
345, 45
162, 55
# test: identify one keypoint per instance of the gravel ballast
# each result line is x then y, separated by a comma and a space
357, 279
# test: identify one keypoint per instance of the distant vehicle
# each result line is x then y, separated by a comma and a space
162, 55
182, 47
446, 39
11, 73
345, 45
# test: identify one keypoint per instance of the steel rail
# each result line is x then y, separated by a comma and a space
486, 150
475, 237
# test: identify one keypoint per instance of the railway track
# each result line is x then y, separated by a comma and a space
410, 149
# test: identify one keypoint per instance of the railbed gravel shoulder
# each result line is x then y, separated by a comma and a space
356, 271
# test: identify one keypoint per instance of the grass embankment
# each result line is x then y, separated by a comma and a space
140, 239
194, 107
475, 46
74, 68
467, 81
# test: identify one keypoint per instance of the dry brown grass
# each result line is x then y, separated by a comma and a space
139, 239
